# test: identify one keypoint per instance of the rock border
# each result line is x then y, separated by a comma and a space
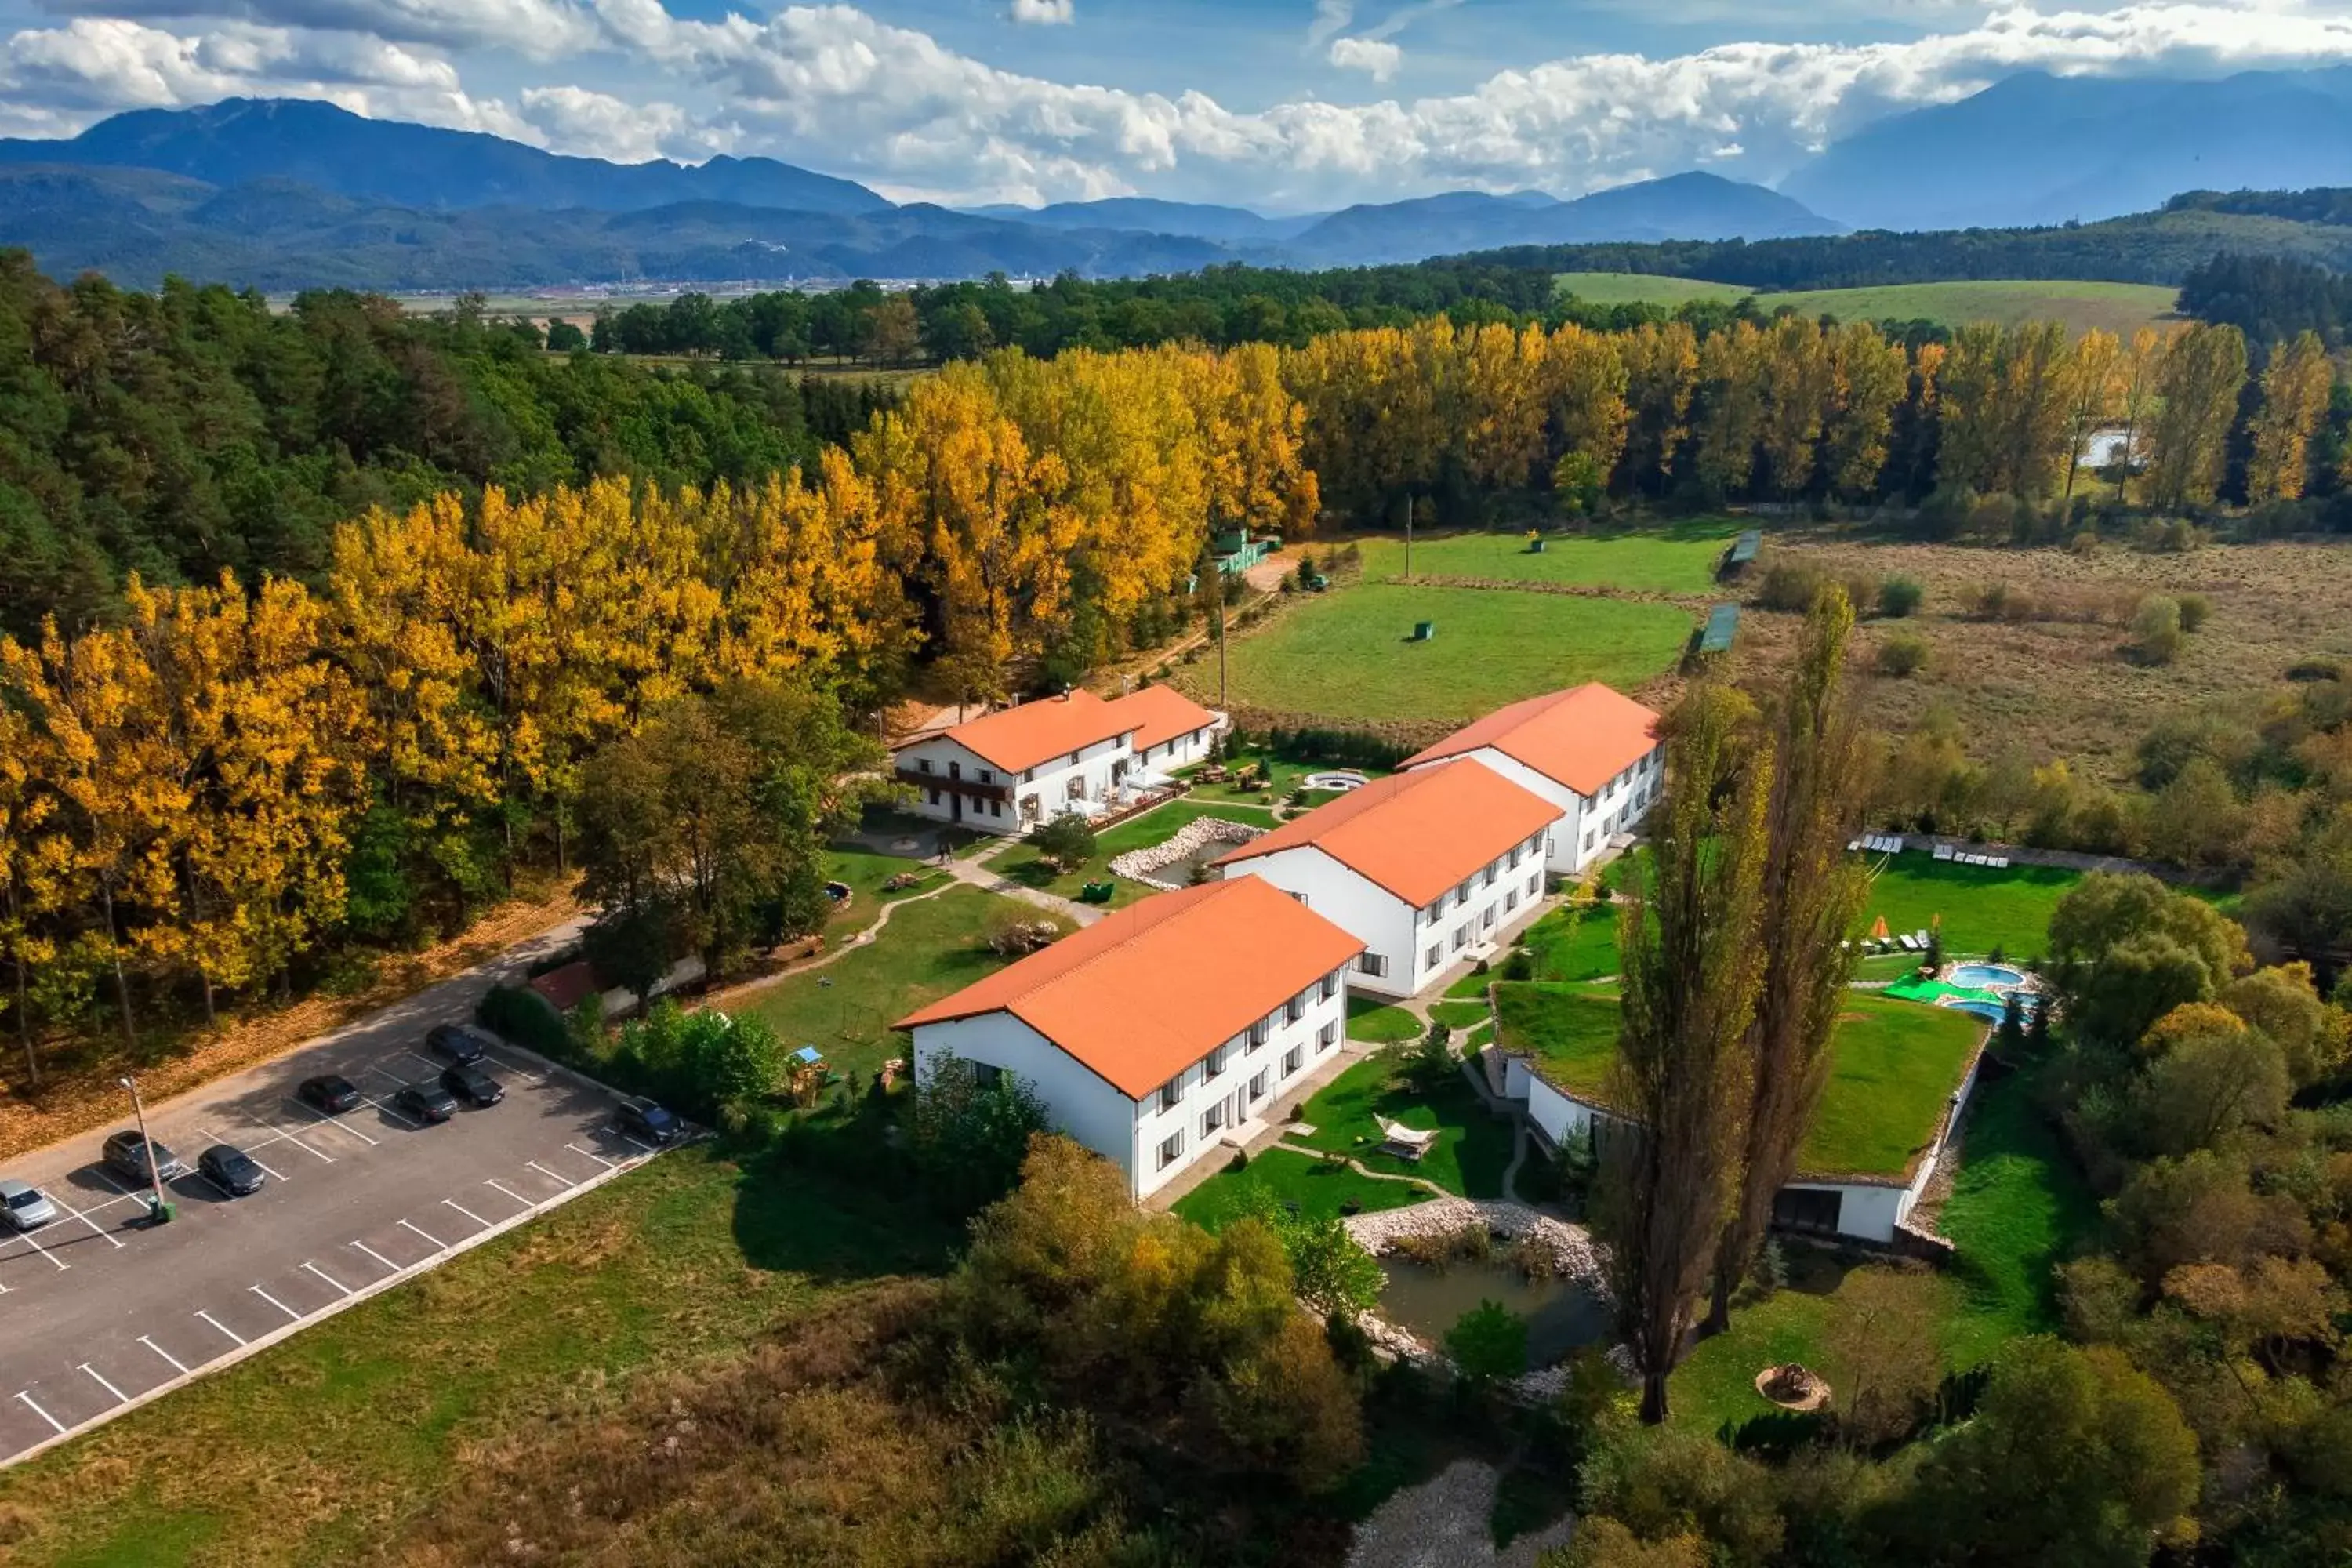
1137, 865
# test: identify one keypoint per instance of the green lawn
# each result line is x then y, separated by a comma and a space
865, 871
1470, 1156
2120, 307
1981, 909
1283, 776
323, 1448
1024, 865
1574, 943
2017, 1207
1892, 1066
1378, 1023
929, 947
1289, 1176
1569, 1030
1644, 287
1460, 1014
1677, 560
1344, 655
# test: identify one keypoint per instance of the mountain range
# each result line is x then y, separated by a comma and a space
285, 194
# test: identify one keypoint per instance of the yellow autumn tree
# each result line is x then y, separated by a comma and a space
2296, 386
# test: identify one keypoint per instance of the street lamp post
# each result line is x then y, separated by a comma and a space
155, 1169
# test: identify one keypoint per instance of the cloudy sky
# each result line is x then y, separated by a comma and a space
1281, 104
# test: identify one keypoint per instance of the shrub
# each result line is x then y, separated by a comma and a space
968, 1138
527, 1018
1489, 1345
1790, 587
1899, 596
2196, 609
2158, 634
1066, 840
1903, 655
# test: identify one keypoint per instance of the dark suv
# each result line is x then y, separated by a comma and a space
646, 1121
473, 1086
427, 1102
331, 1094
129, 1154
455, 1043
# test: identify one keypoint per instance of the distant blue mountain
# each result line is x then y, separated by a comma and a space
2039, 149
1226, 225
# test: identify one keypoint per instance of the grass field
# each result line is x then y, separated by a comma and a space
1574, 943
1893, 1065
2017, 1207
845, 1009
1469, 1156
1024, 865
1379, 1023
2120, 307
1289, 1175
1677, 560
324, 1449
1345, 655
1982, 909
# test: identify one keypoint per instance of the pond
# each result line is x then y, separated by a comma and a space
1562, 1314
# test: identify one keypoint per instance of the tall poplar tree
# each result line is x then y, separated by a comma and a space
2198, 379
2296, 386
1812, 892
1691, 968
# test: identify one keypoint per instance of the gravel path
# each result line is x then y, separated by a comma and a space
1443, 1523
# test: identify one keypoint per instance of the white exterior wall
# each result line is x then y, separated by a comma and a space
1478, 911
1383, 922
1128, 1134
1619, 807
1560, 1115
1049, 783
1186, 749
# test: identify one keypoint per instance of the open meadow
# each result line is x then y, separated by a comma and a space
2081, 303
1680, 558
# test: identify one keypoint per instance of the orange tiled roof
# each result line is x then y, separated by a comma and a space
1149, 990
1418, 833
1159, 714
1582, 737
1019, 738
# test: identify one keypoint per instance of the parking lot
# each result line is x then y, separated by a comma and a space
99, 1310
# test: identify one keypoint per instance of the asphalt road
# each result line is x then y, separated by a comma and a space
99, 1311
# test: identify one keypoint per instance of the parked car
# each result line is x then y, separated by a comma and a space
130, 1155
25, 1205
473, 1086
455, 1043
230, 1168
329, 1093
426, 1102
646, 1121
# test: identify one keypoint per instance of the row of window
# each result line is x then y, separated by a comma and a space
1213, 1066
1434, 957
1481, 879
1214, 1118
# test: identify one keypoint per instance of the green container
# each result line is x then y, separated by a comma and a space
1423, 630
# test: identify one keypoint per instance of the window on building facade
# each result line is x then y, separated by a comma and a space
1461, 936
1213, 1118
1486, 878
1172, 1093
1434, 956
1535, 884
1290, 1060
955, 770
1371, 964
1293, 1009
987, 775
1257, 1086
986, 1074
1257, 1033
923, 764
1331, 985
1215, 1063
1171, 1148
1489, 924
1511, 899
1327, 1037
935, 794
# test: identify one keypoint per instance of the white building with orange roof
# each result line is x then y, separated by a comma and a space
1008, 770
1163, 1030
1591, 752
1430, 869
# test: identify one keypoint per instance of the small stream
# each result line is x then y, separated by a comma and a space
1562, 1314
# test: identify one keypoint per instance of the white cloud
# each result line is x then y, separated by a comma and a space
1045, 12
540, 28
834, 88
1375, 58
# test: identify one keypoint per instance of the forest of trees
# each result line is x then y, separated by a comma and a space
2269, 298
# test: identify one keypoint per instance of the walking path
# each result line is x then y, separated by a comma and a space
978, 873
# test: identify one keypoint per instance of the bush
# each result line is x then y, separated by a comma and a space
1789, 588
1903, 655
1899, 596
2157, 632
527, 1018
2196, 609
1065, 840
968, 1138
1489, 1345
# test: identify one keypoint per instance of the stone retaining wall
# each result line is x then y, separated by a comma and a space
1138, 865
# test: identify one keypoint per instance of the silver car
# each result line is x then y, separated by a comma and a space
25, 1206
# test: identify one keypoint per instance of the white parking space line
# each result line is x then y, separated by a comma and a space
395, 1115
328, 1277
177, 1365
378, 1256
469, 1214
564, 1182
265, 1171
592, 1154
274, 1301
53, 1421
224, 1328
428, 1235
97, 1377
640, 1148
215, 1185
421, 1056
83, 1216
494, 1182
337, 1122
516, 1067
27, 1238
314, 1153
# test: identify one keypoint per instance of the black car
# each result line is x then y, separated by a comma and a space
646, 1121
230, 1168
455, 1043
329, 1093
130, 1155
472, 1085
425, 1102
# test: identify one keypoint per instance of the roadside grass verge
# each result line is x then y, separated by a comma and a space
323, 1448
1024, 865
1347, 656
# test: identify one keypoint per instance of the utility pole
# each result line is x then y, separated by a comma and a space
154, 1170
1220, 575
1408, 539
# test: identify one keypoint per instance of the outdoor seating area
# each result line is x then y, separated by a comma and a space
1878, 844
1970, 857
1404, 1142
1896, 844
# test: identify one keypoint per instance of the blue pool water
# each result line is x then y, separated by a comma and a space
1990, 1012
1992, 974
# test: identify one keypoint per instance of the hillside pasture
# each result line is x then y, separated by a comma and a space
2081, 303
1346, 657
1680, 559
1644, 287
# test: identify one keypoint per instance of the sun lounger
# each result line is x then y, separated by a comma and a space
1908, 945
1943, 851
1406, 1142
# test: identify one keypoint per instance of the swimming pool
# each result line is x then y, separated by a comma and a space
1991, 974
1990, 1012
